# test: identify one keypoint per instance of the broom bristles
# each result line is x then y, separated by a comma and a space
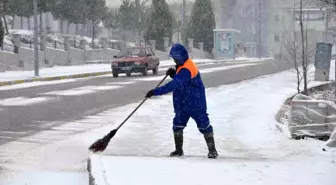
101, 144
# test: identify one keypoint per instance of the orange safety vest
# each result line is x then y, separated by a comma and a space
190, 65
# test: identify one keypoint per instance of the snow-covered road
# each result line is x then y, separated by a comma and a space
252, 151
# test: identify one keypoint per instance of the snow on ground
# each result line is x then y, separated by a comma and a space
251, 149
54, 71
35, 84
22, 101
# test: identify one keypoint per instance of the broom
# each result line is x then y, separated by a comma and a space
101, 144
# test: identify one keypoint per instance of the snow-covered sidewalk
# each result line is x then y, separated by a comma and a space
252, 151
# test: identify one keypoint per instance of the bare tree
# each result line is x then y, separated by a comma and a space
303, 48
296, 48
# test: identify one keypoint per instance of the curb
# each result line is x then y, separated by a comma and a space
83, 75
96, 172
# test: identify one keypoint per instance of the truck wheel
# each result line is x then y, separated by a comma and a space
156, 70
115, 74
145, 71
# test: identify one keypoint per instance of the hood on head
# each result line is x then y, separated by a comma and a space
179, 53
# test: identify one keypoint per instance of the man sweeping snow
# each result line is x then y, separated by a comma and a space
188, 98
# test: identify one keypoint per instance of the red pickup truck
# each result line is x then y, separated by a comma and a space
135, 60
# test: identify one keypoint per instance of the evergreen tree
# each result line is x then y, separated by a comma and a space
112, 20
127, 15
132, 14
202, 22
159, 23
2, 33
21, 8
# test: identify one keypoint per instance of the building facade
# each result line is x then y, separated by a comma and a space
283, 22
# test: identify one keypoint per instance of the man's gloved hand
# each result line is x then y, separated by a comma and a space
171, 72
150, 93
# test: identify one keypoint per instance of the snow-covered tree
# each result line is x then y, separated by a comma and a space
202, 22
127, 15
159, 23
21, 8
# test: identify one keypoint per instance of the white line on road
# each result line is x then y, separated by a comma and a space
209, 70
70, 92
35, 84
99, 88
119, 83
22, 101
81, 90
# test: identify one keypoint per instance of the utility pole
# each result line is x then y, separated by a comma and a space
36, 60
138, 10
184, 4
326, 23
259, 29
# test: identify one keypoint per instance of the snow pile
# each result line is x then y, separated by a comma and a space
310, 117
325, 94
332, 140
8, 44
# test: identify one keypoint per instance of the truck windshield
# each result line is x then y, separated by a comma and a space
130, 52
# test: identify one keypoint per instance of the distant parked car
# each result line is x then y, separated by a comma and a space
135, 60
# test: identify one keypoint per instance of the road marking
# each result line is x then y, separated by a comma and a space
22, 101
156, 78
35, 84
99, 88
81, 90
119, 83
70, 92
208, 70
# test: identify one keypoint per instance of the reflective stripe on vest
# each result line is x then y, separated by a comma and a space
190, 65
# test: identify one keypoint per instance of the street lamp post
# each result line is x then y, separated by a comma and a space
36, 60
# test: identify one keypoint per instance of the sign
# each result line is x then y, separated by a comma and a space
224, 44
310, 15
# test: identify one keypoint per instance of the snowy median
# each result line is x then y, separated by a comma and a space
251, 149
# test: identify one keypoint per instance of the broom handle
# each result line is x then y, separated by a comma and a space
143, 101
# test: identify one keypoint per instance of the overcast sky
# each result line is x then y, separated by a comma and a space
117, 2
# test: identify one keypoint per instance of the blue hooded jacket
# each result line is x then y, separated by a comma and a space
187, 86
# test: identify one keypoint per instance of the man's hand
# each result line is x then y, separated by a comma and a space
171, 72
150, 93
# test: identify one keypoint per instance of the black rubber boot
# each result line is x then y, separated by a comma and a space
211, 145
178, 137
